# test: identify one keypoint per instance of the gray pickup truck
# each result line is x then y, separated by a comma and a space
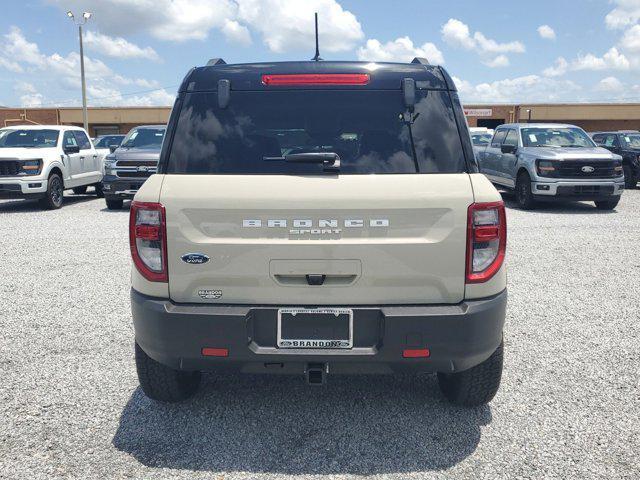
552, 162
129, 166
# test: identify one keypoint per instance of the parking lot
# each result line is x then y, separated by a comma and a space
568, 406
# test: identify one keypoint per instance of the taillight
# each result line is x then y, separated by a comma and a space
486, 240
317, 79
148, 240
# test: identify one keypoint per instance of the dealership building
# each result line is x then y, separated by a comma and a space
107, 120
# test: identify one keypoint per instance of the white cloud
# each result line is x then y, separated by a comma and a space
546, 32
529, 88
284, 25
10, 65
174, 20
29, 96
613, 59
117, 47
288, 24
457, 34
559, 68
486, 45
609, 84
102, 82
236, 33
399, 50
626, 12
630, 41
499, 61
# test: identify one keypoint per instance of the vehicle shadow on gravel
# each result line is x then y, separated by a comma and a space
279, 425
29, 206
562, 208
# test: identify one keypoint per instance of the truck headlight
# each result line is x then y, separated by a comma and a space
545, 168
617, 169
31, 167
109, 164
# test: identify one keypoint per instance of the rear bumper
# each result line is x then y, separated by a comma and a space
115, 187
578, 190
458, 337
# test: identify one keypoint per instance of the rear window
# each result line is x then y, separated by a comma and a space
257, 130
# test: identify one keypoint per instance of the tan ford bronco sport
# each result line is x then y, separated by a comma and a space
318, 218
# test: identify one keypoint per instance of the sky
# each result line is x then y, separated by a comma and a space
138, 51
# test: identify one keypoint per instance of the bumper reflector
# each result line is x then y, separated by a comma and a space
215, 352
416, 353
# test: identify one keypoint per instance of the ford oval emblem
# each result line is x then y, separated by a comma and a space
588, 169
195, 258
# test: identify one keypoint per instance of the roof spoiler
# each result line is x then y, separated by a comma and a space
215, 61
420, 60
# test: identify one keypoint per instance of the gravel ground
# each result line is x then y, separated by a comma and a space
568, 407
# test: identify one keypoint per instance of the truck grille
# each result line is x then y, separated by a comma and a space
130, 174
9, 168
584, 190
135, 168
573, 169
136, 163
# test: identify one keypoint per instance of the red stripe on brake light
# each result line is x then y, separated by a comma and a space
155, 231
148, 232
480, 236
317, 79
215, 352
416, 353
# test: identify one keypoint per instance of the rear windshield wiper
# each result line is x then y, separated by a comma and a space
329, 160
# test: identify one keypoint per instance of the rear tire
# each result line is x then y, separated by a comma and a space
524, 196
114, 203
476, 386
98, 188
163, 383
80, 190
630, 180
55, 193
607, 204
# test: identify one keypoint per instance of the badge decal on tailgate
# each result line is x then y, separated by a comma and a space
210, 294
195, 258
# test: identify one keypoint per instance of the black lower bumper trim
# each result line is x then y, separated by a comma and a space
113, 187
457, 336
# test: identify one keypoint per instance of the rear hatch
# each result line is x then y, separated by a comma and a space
254, 218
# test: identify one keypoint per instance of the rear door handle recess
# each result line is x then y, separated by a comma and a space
315, 279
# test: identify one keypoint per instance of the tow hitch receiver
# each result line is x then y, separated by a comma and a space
316, 373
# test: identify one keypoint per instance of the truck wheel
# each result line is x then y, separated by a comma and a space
607, 204
99, 192
476, 386
163, 383
630, 179
80, 190
524, 196
114, 203
55, 193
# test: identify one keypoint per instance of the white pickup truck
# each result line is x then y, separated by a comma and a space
41, 161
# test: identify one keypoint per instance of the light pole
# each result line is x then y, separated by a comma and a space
529, 115
85, 18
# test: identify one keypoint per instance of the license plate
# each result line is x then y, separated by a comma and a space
321, 328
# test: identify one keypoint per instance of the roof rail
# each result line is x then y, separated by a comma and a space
215, 61
420, 60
